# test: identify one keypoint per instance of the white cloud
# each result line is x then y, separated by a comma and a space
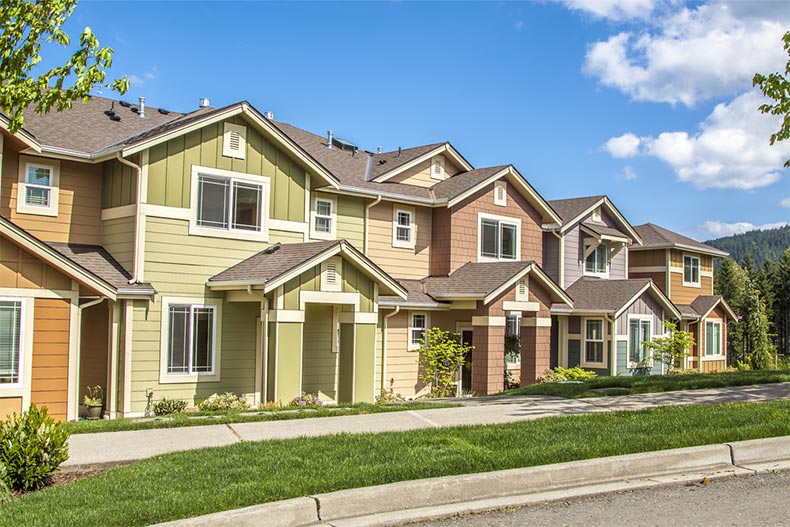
613, 9
731, 150
719, 229
690, 55
139, 80
785, 202
627, 145
629, 174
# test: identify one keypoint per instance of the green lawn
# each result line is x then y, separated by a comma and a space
652, 383
203, 481
179, 420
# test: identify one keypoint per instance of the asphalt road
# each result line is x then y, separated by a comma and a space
761, 500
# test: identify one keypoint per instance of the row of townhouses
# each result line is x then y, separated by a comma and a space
161, 254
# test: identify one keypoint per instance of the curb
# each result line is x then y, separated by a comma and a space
396, 503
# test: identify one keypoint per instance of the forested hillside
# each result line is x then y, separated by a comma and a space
760, 245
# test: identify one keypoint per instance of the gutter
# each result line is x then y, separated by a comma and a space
138, 217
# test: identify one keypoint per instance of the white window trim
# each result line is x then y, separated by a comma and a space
519, 320
319, 235
500, 202
506, 219
441, 174
173, 378
599, 274
227, 151
199, 230
338, 285
720, 355
653, 335
583, 351
25, 350
697, 284
411, 345
54, 166
412, 231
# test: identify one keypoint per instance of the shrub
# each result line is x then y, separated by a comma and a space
226, 401
389, 396
5, 491
169, 406
32, 447
560, 374
306, 400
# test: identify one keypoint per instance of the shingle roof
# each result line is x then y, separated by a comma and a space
654, 236
85, 128
99, 262
415, 295
704, 303
474, 278
568, 209
606, 230
687, 311
389, 161
460, 183
595, 294
270, 263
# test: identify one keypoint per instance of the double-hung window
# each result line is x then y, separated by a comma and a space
417, 329
691, 271
638, 334
512, 325
191, 339
403, 228
498, 239
10, 341
597, 260
593, 341
323, 216
38, 186
37, 190
713, 337
229, 204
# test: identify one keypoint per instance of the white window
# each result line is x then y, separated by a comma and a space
713, 342
691, 271
499, 239
234, 141
638, 333
522, 290
437, 168
37, 189
229, 204
594, 341
597, 261
190, 339
500, 193
331, 274
403, 228
11, 316
417, 329
512, 325
324, 219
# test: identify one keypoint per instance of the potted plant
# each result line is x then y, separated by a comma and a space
93, 402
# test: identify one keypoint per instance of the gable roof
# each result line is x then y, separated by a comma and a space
279, 263
389, 164
574, 210
596, 295
704, 304
452, 187
655, 237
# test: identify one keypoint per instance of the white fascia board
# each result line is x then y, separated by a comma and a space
445, 148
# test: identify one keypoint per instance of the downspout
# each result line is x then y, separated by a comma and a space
384, 346
136, 271
264, 339
78, 343
613, 357
561, 257
367, 220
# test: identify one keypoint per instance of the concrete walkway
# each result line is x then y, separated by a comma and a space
113, 447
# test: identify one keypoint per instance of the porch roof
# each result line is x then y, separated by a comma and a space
279, 263
702, 306
613, 296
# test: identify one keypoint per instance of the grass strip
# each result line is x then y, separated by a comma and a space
605, 386
199, 482
202, 419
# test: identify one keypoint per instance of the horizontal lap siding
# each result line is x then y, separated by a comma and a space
681, 294
118, 240
654, 258
50, 367
402, 365
397, 261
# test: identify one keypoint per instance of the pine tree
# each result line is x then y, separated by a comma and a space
780, 286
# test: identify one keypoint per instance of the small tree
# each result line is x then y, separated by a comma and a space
672, 347
441, 357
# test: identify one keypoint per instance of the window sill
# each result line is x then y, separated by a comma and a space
698, 285
596, 365
402, 245
317, 235
712, 357
597, 275
251, 236
481, 258
168, 378
37, 211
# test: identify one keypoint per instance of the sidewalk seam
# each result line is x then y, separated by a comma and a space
431, 422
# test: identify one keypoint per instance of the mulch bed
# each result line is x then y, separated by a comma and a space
70, 475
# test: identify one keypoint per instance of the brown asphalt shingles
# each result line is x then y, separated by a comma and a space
270, 263
99, 262
595, 294
653, 235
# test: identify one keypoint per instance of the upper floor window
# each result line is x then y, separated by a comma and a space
597, 260
324, 218
229, 204
10, 340
691, 270
403, 228
499, 239
713, 337
38, 187
437, 168
417, 329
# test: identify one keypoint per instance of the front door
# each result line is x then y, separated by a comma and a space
466, 371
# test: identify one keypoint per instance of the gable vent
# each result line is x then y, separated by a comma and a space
331, 273
522, 288
234, 141
500, 193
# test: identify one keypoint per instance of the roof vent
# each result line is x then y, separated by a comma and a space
204, 102
115, 118
399, 150
134, 109
345, 145
125, 104
273, 249
379, 150
141, 113
329, 135
269, 115
163, 111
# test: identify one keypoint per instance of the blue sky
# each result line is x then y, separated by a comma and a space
648, 101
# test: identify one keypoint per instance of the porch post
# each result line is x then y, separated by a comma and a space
535, 348
284, 371
488, 357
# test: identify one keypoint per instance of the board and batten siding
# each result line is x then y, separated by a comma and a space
351, 220
399, 262
551, 256
644, 305
20, 269
170, 169
119, 183
79, 202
